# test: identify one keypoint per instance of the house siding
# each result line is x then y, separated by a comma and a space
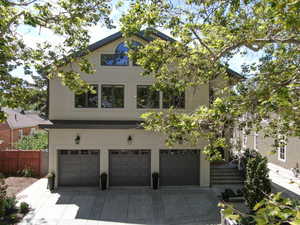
62, 99
105, 140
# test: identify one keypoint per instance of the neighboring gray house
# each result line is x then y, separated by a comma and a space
283, 162
96, 133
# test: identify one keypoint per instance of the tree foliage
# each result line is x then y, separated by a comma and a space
273, 209
257, 183
68, 19
208, 34
37, 141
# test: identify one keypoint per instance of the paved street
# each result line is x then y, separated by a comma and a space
86, 206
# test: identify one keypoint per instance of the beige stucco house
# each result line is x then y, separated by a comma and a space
100, 132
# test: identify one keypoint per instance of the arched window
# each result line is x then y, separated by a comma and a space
120, 57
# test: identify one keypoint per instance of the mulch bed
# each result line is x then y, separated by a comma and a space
18, 184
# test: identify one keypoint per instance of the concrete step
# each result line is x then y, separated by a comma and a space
219, 173
223, 169
226, 178
227, 182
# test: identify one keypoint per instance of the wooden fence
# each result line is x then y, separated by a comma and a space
12, 161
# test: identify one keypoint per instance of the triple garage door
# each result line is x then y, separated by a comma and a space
129, 167
179, 167
78, 167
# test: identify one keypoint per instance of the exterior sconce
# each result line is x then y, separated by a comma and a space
77, 140
129, 140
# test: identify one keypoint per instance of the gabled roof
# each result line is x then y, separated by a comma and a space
145, 36
18, 119
142, 34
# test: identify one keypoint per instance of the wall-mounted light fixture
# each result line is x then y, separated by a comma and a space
77, 140
129, 140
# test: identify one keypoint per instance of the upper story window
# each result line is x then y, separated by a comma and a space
174, 98
120, 57
112, 96
88, 99
147, 97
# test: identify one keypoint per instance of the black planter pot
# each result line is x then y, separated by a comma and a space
155, 180
103, 180
51, 181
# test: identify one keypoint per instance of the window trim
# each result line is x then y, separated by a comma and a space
244, 140
21, 133
148, 86
279, 152
255, 144
32, 131
124, 97
86, 107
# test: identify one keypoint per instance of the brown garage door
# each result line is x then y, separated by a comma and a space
129, 167
179, 167
78, 167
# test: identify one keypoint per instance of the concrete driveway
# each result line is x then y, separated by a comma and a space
86, 206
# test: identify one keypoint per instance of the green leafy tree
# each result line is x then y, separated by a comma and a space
273, 209
38, 141
68, 19
257, 184
208, 34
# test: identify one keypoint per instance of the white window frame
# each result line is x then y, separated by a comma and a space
279, 152
32, 131
255, 138
244, 140
21, 134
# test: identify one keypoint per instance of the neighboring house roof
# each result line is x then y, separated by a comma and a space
18, 119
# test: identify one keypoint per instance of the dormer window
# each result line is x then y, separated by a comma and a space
120, 57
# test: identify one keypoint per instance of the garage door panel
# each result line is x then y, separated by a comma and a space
129, 167
78, 167
179, 167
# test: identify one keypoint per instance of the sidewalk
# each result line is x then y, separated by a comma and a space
282, 177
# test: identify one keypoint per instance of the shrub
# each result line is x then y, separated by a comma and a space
3, 188
37, 141
10, 206
24, 208
257, 184
26, 172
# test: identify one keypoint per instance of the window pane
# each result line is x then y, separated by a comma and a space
92, 98
88, 99
107, 97
118, 92
80, 101
112, 96
147, 97
173, 98
114, 60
